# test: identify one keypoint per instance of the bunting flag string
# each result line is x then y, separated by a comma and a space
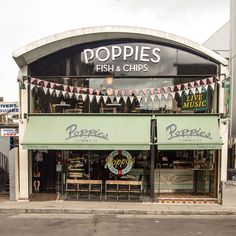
53, 89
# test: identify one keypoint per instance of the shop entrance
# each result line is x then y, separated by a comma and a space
107, 175
186, 175
44, 171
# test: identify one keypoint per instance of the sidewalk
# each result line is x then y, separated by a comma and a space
85, 207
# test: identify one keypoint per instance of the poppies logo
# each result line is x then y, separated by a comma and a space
119, 162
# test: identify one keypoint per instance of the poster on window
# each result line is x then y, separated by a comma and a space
196, 102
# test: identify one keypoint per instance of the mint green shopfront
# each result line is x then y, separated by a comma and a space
121, 113
133, 134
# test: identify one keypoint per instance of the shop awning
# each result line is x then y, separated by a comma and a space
188, 132
87, 132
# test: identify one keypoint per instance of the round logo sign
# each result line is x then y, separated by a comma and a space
119, 162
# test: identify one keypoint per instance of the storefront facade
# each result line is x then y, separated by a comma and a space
124, 110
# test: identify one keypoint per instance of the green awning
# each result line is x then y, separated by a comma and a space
188, 132
87, 132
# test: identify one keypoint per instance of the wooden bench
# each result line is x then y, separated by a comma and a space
83, 185
123, 186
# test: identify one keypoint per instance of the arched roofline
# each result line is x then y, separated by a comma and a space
48, 45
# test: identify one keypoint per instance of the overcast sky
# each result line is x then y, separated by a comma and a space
25, 21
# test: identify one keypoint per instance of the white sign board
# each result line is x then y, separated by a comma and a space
9, 108
10, 132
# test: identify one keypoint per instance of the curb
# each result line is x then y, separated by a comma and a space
111, 211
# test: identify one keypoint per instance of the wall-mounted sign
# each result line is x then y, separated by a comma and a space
10, 108
9, 132
226, 96
138, 59
119, 162
197, 102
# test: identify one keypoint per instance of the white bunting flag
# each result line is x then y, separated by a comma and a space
91, 97
98, 98
84, 97
71, 94
131, 98
58, 93
105, 99
45, 90
51, 91
118, 99
125, 98
139, 98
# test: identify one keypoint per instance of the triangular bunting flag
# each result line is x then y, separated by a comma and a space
137, 91
158, 90
130, 92
116, 91
45, 84
131, 98
78, 89
151, 90
199, 89
159, 96
219, 82
58, 92
39, 81
32, 86
45, 90
198, 82
51, 91
111, 98
144, 91
152, 97
64, 93
191, 84
211, 79
84, 97
180, 93
65, 87
186, 91
32, 80
178, 86
125, 98
118, 99
97, 91
71, 94
204, 81
91, 97
77, 96
206, 87
164, 89
193, 90
90, 91
105, 99
166, 95
185, 85
139, 98
171, 88
52, 85
212, 86
172, 95
123, 92
71, 88
98, 98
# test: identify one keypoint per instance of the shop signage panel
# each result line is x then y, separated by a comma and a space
138, 59
196, 102
10, 108
88, 132
188, 132
9, 132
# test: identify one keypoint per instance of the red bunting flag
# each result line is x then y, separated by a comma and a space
151, 91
